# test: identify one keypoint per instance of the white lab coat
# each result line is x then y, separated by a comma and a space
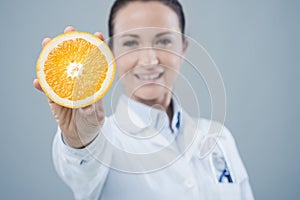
150, 161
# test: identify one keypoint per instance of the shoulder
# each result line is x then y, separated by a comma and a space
215, 129
209, 128
216, 133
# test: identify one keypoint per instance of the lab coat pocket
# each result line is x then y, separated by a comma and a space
228, 191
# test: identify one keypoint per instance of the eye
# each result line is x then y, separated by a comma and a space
163, 42
130, 43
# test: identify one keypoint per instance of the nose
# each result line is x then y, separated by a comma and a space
147, 57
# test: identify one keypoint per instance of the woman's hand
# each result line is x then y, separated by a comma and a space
81, 125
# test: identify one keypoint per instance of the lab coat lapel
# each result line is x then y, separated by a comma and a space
188, 132
199, 137
126, 120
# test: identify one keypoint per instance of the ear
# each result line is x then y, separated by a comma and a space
185, 46
186, 43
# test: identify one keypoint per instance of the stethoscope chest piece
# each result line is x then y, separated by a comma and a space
219, 166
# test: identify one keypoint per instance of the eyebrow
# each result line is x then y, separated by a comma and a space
130, 35
163, 33
137, 36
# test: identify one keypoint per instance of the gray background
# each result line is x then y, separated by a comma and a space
254, 43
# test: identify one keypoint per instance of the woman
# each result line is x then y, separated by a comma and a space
128, 155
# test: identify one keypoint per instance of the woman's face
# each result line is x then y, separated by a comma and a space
147, 59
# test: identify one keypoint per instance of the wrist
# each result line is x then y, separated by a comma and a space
77, 141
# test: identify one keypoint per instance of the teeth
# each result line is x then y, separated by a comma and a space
149, 77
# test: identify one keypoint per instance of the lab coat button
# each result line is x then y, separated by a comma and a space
189, 183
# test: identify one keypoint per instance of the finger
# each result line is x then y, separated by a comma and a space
93, 106
100, 114
94, 113
99, 35
37, 85
99, 105
69, 29
50, 101
45, 41
88, 110
91, 110
54, 106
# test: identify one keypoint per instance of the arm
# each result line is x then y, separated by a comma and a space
77, 143
246, 190
79, 168
239, 168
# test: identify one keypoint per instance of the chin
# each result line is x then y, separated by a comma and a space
149, 93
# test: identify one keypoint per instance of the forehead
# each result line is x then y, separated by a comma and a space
139, 15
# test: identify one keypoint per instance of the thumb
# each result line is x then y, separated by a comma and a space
37, 85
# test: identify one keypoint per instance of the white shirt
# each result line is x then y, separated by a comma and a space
138, 156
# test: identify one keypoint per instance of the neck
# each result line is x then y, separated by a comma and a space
163, 102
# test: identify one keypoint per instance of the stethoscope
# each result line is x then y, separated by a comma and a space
219, 165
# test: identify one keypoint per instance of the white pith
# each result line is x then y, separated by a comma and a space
74, 70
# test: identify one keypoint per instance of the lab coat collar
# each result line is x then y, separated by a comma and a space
135, 117
140, 121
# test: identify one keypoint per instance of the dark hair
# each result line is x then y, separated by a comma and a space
118, 4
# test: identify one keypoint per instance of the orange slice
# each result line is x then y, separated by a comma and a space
75, 69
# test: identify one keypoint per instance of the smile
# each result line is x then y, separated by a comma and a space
147, 77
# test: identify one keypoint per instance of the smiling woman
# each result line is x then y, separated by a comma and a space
150, 147
148, 59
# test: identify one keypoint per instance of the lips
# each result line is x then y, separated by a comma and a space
147, 77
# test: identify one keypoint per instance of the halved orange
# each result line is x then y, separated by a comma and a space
75, 69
